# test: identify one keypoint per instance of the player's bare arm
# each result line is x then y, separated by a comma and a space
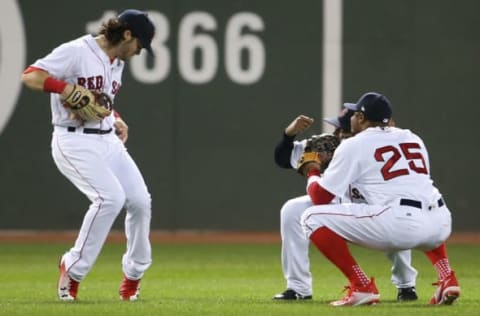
299, 125
35, 79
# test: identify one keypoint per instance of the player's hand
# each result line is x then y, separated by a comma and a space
121, 129
67, 91
298, 125
309, 166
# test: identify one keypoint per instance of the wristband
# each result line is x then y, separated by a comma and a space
53, 85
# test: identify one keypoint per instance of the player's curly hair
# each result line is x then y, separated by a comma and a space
113, 31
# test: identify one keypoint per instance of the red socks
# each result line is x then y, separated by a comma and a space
336, 250
439, 259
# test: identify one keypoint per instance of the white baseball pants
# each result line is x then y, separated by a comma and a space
383, 227
102, 169
295, 248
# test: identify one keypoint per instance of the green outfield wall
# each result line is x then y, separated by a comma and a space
228, 76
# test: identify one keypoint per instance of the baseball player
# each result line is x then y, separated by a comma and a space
88, 152
390, 168
403, 273
295, 259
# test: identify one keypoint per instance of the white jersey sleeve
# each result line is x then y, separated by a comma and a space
297, 152
342, 170
60, 63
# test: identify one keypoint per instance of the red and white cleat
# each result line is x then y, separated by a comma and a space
367, 295
129, 289
67, 287
447, 291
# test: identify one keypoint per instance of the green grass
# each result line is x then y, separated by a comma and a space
217, 279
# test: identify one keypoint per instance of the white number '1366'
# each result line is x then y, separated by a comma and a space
195, 39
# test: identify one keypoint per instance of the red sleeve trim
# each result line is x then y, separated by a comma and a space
318, 194
54, 85
116, 114
32, 69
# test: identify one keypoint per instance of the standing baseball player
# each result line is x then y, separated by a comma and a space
295, 247
88, 152
390, 168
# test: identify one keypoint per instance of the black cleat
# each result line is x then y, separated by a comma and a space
407, 294
290, 294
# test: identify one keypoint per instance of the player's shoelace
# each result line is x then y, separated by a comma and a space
367, 295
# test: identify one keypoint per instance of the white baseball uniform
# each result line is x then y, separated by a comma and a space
95, 160
389, 167
295, 247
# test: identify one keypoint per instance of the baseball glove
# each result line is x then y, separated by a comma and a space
88, 106
319, 149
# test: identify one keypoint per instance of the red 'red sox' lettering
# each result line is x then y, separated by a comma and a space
91, 83
115, 87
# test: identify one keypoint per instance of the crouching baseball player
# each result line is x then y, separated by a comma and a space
390, 168
295, 247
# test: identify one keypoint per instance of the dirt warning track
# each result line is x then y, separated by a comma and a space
201, 237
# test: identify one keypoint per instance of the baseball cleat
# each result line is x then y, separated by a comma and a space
129, 289
290, 294
67, 287
407, 294
366, 295
448, 291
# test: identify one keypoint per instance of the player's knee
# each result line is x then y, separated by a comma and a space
140, 202
115, 201
292, 210
286, 213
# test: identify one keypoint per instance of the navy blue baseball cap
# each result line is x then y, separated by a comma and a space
375, 107
342, 120
140, 25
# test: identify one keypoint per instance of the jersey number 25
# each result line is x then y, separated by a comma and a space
416, 162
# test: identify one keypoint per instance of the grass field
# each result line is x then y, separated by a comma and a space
217, 279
